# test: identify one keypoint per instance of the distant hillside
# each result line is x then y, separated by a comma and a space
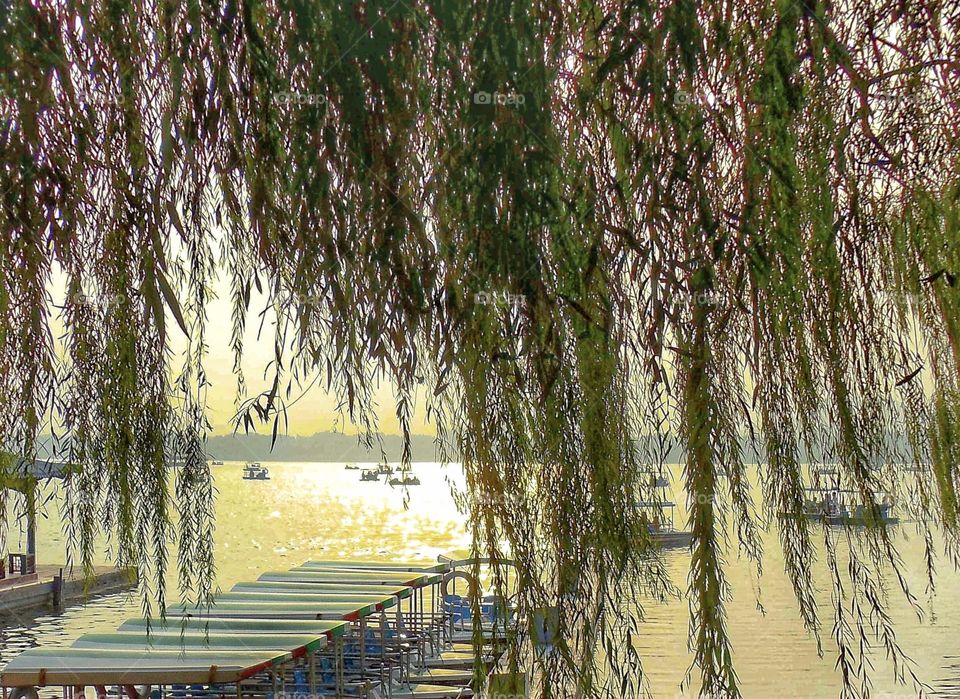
322, 446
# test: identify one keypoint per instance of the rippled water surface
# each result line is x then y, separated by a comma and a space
321, 510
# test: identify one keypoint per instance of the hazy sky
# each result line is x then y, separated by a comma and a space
314, 412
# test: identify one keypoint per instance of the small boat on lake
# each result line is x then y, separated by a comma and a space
408, 479
351, 467
216, 462
369, 475
658, 514
835, 505
838, 507
253, 471
384, 470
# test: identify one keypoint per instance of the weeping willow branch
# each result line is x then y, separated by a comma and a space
581, 232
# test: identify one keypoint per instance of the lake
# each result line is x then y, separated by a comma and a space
321, 510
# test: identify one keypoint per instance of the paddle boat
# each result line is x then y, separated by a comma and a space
368, 475
136, 670
830, 503
841, 507
288, 633
297, 646
408, 479
253, 471
658, 514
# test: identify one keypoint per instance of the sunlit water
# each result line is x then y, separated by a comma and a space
321, 510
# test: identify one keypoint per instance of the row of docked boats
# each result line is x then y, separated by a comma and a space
325, 628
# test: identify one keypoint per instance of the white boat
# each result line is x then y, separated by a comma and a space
658, 514
253, 471
838, 506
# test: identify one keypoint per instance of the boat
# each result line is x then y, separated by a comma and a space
253, 471
351, 467
384, 470
838, 507
658, 514
369, 475
216, 462
408, 479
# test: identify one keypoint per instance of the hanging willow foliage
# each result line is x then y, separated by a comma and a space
589, 229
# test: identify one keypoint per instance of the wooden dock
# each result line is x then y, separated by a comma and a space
46, 588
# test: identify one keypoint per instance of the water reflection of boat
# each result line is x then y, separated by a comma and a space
406, 480
253, 471
384, 470
351, 467
368, 475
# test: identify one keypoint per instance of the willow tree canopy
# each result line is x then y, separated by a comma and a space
584, 230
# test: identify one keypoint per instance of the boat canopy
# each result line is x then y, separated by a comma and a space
176, 624
399, 591
363, 577
463, 557
271, 596
294, 644
347, 611
420, 566
59, 667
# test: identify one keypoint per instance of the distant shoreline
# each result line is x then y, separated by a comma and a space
329, 447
